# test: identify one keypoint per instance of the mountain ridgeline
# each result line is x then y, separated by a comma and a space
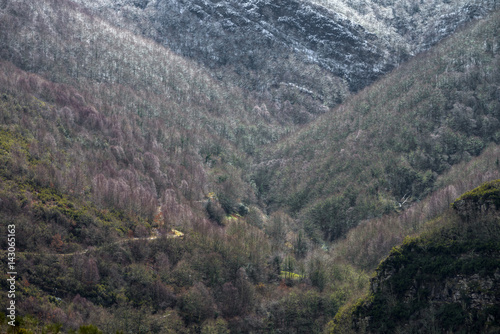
242, 167
305, 53
257, 38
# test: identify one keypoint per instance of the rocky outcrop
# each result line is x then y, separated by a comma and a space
480, 201
445, 281
447, 291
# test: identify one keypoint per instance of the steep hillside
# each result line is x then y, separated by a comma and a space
68, 45
257, 36
446, 280
384, 148
410, 27
369, 243
93, 200
304, 53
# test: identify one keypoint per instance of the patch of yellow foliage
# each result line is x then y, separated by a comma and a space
178, 234
290, 275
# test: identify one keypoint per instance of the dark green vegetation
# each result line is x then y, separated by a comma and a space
108, 141
446, 280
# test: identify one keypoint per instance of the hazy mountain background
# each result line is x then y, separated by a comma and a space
292, 143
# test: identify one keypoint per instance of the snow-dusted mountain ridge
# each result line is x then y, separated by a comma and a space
262, 44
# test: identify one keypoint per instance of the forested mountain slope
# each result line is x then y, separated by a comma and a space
445, 280
257, 37
369, 243
408, 26
86, 193
68, 45
297, 51
108, 141
385, 147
